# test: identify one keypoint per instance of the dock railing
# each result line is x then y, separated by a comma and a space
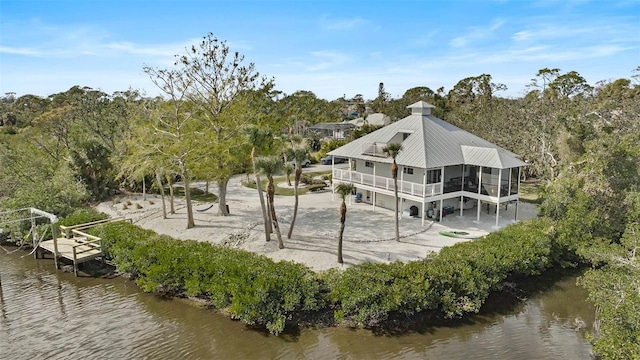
68, 230
84, 243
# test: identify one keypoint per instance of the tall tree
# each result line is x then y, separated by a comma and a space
174, 126
302, 109
393, 150
546, 76
344, 190
379, 104
141, 160
270, 166
570, 84
299, 152
259, 138
217, 77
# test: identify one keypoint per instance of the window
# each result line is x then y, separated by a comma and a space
405, 136
368, 164
433, 176
407, 170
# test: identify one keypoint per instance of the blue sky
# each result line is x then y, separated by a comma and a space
330, 47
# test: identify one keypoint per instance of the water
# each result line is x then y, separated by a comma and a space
46, 314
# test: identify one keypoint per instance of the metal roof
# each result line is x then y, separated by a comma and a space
333, 126
432, 143
377, 119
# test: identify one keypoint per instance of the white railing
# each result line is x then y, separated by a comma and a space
386, 183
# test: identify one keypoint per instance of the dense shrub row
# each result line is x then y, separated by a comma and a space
250, 287
456, 281
257, 290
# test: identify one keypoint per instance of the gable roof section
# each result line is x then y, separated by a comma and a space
491, 157
432, 143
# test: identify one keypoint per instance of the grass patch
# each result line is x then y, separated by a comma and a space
283, 179
529, 191
196, 194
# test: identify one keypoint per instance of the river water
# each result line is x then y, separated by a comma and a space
47, 314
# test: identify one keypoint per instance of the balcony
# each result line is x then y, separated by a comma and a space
385, 183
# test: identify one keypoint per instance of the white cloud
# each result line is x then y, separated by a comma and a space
476, 33
552, 31
19, 51
329, 59
341, 24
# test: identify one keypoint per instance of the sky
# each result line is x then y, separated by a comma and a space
333, 48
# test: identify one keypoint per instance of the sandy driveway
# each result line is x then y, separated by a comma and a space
368, 235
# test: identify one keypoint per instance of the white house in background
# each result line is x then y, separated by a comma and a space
336, 130
441, 167
377, 119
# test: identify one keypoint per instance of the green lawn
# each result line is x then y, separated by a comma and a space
529, 191
196, 194
282, 179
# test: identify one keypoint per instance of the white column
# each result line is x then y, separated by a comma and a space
479, 187
441, 203
499, 190
424, 183
462, 196
401, 205
518, 199
374, 187
479, 180
424, 193
333, 181
509, 193
350, 179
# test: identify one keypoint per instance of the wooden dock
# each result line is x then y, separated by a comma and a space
76, 245
72, 249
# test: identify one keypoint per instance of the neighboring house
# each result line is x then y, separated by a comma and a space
440, 167
376, 119
333, 130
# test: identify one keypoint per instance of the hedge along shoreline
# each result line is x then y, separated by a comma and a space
258, 291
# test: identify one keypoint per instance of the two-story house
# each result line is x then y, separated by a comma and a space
440, 168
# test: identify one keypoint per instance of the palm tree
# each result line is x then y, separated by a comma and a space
257, 138
393, 150
269, 166
299, 152
288, 169
344, 190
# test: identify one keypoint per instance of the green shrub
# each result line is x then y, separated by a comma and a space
306, 180
257, 290
457, 281
368, 292
316, 187
81, 216
252, 288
